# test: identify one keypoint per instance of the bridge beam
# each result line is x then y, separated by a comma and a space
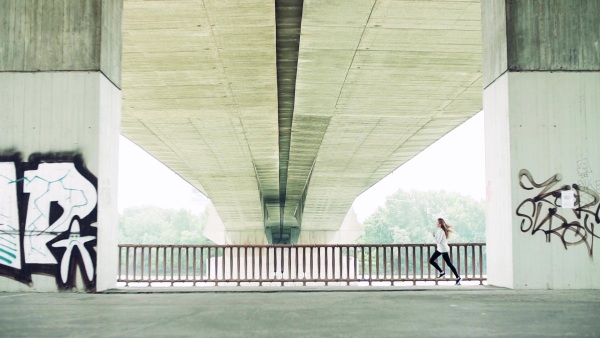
542, 108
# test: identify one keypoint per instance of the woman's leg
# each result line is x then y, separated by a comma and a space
435, 256
449, 263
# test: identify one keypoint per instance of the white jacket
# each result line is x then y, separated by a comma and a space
441, 241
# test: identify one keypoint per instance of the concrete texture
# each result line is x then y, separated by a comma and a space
303, 312
532, 35
541, 63
376, 83
63, 112
556, 35
65, 35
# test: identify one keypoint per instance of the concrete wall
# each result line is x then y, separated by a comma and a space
109, 116
111, 40
542, 104
60, 111
59, 119
554, 123
536, 35
493, 22
499, 227
553, 34
68, 35
542, 137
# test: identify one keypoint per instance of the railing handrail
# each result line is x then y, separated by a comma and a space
245, 263
288, 245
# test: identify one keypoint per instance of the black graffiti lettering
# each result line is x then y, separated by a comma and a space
540, 213
587, 199
528, 221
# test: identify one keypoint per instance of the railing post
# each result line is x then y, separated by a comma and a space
377, 261
413, 263
466, 261
282, 266
400, 262
120, 273
304, 265
134, 263
370, 266
246, 262
318, 261
473, 266
223, 249
392, 276
480, 264
421, 260
347, 265
296, 259
149, 266
458, 258
230, 277
208, 265
326, 255
289, 266
341, 253
362, 261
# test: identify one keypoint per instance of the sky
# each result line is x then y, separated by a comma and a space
144, 181
455, 163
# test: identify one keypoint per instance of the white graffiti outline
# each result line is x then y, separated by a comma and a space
44, 206
75, 241
56, 185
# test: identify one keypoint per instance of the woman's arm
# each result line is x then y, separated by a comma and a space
439, 236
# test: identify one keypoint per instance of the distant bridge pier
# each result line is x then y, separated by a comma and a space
542, 116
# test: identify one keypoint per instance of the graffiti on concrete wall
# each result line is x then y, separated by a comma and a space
543, 212
48, 210
584, 171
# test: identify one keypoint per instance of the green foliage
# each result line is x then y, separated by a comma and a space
153, 225
409, 217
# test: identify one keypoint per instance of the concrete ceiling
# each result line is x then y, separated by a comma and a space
210, 89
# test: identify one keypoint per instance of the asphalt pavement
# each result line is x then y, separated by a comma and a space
440, 311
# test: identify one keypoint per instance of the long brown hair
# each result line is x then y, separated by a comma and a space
445, 226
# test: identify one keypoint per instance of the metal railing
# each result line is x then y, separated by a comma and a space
324, 264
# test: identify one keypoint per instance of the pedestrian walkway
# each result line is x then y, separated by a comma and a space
442, 311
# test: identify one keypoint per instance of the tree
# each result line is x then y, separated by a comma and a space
152, 225
409, 217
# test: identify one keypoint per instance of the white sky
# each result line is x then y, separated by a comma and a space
454, 163
144, 181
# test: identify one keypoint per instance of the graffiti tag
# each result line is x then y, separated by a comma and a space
540, 213
47, 219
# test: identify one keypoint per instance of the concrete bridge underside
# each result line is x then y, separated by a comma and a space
283, 112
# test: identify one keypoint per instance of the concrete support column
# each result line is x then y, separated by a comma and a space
60, 111
216, 232
348, 233
542, 117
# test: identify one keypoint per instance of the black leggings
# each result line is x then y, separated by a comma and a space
446, 257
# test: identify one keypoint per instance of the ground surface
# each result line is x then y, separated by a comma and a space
467, 311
